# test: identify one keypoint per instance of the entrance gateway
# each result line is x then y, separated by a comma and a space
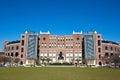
60, 57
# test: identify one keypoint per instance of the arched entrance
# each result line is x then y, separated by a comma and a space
60, 57
21, 63
100, 63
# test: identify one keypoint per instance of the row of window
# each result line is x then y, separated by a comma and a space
62, 39
111, 48
66, 52
13, 48
69, 43
59, 46
107, 55
14, 54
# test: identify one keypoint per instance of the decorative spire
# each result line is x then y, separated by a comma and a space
26, 32
40, 32
95, 32
81, 32
77, 32
73, 32
44, 32
48, 32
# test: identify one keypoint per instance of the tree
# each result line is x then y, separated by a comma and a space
37, 61
48, 60
111, 59
78, 60
16, 60
42, 59
73, 59
6, 59
107, 60
116, 60
1, 59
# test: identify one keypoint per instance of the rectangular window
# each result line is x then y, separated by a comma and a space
111, 48
12, 47
17, 47
22, 42
106, 48
115, 49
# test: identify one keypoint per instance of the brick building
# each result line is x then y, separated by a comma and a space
87, 48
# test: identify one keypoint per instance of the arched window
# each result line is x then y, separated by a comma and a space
21, 63
12, 54
106, 48
16, 54
22, 49
21, 55
77, 38
17, 47
106, 54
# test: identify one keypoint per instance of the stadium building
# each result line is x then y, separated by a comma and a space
76, 48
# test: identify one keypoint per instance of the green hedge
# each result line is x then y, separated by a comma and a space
61, 64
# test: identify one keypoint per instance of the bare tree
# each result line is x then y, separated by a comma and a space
1, 59
48, 60
116, 60
16, 60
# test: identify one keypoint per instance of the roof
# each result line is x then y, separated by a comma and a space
12, 42
111, 42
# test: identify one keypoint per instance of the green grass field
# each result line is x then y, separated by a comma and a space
57, 73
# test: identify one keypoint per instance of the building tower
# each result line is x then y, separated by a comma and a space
92, 48
29, 44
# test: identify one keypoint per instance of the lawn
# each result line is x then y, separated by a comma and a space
57, 73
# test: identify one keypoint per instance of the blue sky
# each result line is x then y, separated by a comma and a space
60, 17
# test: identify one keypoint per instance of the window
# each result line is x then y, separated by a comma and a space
115, 49
77, 38
22, 42
21, 55
106, 54
111, 54
111, 48
99, 43
17, 47
12, 54
16, 54
99, 50
12, 47
99, 56
44, 38
98, 36
106, 48
22, 36
8, 54
22, 49
8, 48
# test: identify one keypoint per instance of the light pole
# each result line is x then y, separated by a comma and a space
108, 61
119, 61
102, 59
